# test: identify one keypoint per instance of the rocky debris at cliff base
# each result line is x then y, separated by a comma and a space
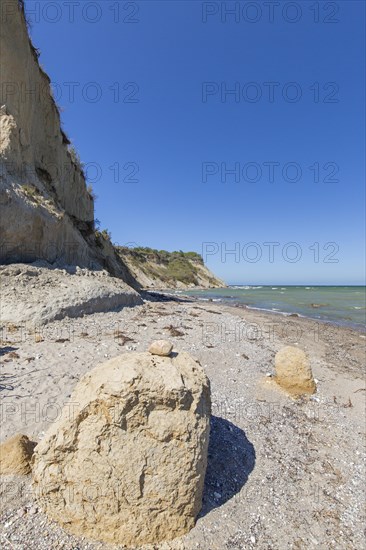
15, 455
161, 347
293, 371
39, 293
134, 451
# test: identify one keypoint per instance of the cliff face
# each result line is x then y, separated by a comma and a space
32, 139
46, 210
158, 269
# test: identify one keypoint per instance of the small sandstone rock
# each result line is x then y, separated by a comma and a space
293, 371
128, 465
15, 455
161, 347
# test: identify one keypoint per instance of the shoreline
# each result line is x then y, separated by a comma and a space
340, 324
238, 305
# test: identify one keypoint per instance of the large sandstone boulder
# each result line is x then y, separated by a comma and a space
126, 462
293, 371
15, 455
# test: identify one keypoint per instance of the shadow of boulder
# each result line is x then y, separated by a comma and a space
231, 458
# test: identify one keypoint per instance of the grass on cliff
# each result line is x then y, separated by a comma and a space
180, 269
167, 266
101, 236
75, 158
31, 191
144, 253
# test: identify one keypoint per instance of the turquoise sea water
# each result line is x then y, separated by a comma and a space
345, 305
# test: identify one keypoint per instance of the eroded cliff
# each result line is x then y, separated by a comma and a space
46, 210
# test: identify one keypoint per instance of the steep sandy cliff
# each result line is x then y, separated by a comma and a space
46, 210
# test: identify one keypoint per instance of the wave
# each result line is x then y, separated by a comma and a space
245, 287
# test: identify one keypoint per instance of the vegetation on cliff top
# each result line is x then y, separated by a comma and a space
144, 253
164, 265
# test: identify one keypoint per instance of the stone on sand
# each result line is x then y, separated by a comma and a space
127, 465
161, 347
15, 455
293, 371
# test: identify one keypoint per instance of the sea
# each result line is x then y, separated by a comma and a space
341, 305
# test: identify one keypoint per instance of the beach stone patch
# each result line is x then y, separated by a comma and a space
15, 455
293, 371
127, 464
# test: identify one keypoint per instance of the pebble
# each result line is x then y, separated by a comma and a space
161, 347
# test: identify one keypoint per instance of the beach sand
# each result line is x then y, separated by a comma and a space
282, 473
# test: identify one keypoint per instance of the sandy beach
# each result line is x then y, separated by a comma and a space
282, 473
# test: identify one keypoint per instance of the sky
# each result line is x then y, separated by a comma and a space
234, 129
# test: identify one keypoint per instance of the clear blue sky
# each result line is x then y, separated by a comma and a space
181, 133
